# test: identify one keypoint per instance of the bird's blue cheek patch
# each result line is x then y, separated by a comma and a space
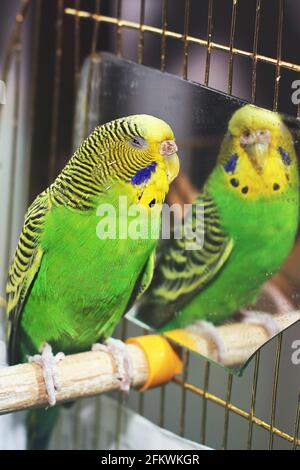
143, 175
285, 156
230, 166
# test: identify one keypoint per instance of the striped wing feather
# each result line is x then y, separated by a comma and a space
183, 272
24, 267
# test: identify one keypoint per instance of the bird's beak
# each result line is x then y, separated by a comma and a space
168, 149
256, 144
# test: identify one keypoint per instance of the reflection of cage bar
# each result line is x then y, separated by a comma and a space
13, 52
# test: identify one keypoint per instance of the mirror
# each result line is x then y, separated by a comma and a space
211, 299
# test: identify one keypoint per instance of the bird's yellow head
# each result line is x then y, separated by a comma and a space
155, 138
257, 153
138, 151
149, 150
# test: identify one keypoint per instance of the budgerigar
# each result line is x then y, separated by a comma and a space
69, 285
249, 223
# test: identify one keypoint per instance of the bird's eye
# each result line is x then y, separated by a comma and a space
138, 142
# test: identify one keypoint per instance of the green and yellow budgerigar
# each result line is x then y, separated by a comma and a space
250, 217
68, 287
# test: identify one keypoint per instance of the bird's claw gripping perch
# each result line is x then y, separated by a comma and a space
47, 361
117, 349
210, 332
263, 319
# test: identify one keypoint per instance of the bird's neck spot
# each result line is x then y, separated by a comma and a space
230, 165
285, 156
143, 175
244, 180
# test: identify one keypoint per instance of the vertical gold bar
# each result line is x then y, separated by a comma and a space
15, 133
297, 423
95, 29
56, 90
119, 41
13, 39
186, 356
163, 37
275, 388
93, 52
226, 418
16, 111
204, 403
279, 50
76, 45
255, 50
253, 400
185, 40
76, 56
33, 78
141, 44
231, 42
209, 41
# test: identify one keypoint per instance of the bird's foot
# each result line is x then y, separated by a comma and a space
211, 333
280, 301
262, 319
47, 361
120, 354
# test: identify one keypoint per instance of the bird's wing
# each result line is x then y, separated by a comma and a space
24, 267
143, 281
185, 267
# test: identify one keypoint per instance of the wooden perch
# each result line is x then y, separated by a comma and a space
153, 362
240, 340
80, 375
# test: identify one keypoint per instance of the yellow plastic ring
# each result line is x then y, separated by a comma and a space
163, 361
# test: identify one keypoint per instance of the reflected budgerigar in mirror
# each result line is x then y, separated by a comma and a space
249, 221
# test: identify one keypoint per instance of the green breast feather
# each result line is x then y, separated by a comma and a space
79, 292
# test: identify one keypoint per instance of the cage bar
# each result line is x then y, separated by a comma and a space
255, 49
192, 39
56, 90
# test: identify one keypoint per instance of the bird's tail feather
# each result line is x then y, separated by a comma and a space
39, 425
